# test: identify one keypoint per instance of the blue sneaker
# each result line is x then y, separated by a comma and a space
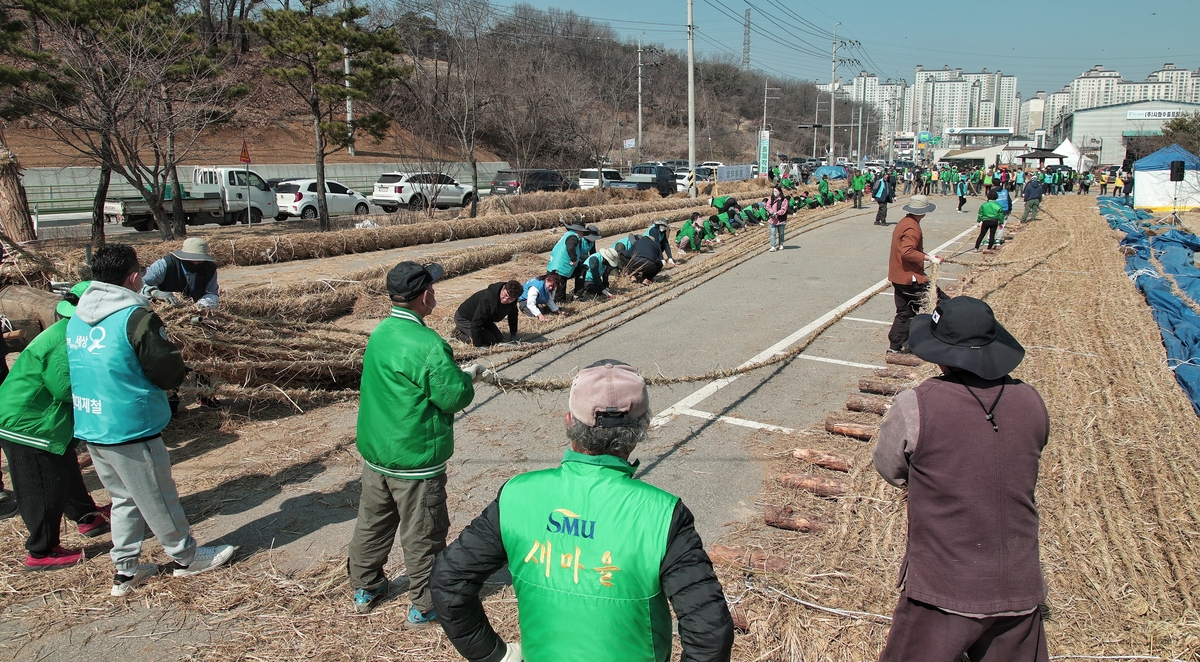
364, 600
419, 621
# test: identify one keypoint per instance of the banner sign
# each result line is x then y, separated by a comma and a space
1154, 114
630, 143
764, 155
735, 173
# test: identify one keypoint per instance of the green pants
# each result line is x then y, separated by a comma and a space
1031, 206
416, 509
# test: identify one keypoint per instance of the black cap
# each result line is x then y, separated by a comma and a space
407, 280
963, 333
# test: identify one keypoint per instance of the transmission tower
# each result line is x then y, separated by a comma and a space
746, 43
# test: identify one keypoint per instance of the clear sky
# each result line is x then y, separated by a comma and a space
1045, 44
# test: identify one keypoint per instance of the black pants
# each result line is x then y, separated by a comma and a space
988, 228
924, 632
881, 215
908, 302
643, 268
491, 333
858, 200
961, 201
596, 288
48, 486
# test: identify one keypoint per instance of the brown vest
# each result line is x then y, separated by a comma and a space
972, 520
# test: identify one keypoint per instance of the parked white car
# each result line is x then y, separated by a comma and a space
683, 180
712, 164
299, 198
415, 190
589, 179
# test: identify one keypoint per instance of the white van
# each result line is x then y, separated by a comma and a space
589, 179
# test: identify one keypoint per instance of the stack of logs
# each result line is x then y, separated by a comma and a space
874, 398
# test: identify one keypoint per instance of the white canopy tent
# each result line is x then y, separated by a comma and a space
1153, 189
1074, 157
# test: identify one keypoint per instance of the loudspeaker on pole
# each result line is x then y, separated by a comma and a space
1177, 171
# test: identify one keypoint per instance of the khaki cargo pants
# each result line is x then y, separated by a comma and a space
416, 509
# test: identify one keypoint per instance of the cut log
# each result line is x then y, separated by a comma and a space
784, 517
825, 487
23, 332
868, 403
14, 335
835, 461
741, 622
850, 428
882, 388
747, 559
897, 373
902, 359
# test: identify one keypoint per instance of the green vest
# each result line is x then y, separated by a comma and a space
585, 544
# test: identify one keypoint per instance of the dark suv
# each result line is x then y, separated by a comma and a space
508, 182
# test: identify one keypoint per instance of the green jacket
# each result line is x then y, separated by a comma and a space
585, 542
991, 211
410, 391
35, 399
723, 221
858, 182
823, 187
692, 232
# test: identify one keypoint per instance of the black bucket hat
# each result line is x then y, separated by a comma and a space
963, 333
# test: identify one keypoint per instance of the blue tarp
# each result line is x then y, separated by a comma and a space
834, 172
1180, 325
1161, 160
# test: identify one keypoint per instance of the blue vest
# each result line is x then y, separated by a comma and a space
542, 297
560, 262
596, 268
113, 399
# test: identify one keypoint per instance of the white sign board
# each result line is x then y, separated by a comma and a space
630, 143
735, 173
1154, 114
764, 153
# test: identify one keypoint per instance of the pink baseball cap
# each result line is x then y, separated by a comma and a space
608, 393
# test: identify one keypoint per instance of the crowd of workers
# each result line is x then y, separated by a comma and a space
971, 579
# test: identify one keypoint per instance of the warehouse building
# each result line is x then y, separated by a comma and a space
1102, 132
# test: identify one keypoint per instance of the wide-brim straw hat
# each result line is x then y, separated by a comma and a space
963, 333
577, 228
195, 249
919, 205
610, 256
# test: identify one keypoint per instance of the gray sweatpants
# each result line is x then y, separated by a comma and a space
138, 478
416, 509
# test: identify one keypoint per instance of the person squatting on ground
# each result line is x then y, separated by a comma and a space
991, 216
659, 231
121, 366
777, 207
37, 434
645, 259
410, 391
967, 444
906, 270
596, 556
568, 254
190, 271
690, 235
540, 291
1032, 194
596, 272
476, 317
883, 194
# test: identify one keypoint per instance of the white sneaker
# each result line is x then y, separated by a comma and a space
207, 558
122, 584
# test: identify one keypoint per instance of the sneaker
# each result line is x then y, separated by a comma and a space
418, 621
207, 558
364, 599
8, 508
123, 584
59, 557
97, 523
898, 351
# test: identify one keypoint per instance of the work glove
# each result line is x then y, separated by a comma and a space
206, 305
513, 654
607, 293
476, 372
935, 259
670, 262
164, 296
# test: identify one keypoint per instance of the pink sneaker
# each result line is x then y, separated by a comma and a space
58, 558
98, 525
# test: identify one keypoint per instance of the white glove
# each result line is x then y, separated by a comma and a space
607, 293
671, 261
206, 305
935, 259
513, 654
475, 371
164, 296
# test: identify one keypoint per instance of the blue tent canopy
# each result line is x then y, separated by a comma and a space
1161, 160
834, 172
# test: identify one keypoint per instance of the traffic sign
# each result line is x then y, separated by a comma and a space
245, 158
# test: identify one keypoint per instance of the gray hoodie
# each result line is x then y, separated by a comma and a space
158, 356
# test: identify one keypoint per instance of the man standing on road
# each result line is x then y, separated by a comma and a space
410, 391
883, 194
1033, 199
967, 445
595, 555
121, 366
476, 317
857, 184
190, 271
906, 270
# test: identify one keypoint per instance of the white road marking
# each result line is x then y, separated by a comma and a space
735, 421
704, 392
839, 362
863, 319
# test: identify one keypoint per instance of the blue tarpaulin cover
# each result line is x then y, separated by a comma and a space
1180, 325
834, 172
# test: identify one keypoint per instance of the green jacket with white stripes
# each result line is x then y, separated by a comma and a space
35, 399
410, 391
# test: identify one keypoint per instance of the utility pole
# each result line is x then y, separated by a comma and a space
832, 92
816, 125
860, 130
639, 136
691, 102
746, 43
766, 91
349, 100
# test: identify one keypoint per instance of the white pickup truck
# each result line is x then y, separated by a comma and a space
218, 195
